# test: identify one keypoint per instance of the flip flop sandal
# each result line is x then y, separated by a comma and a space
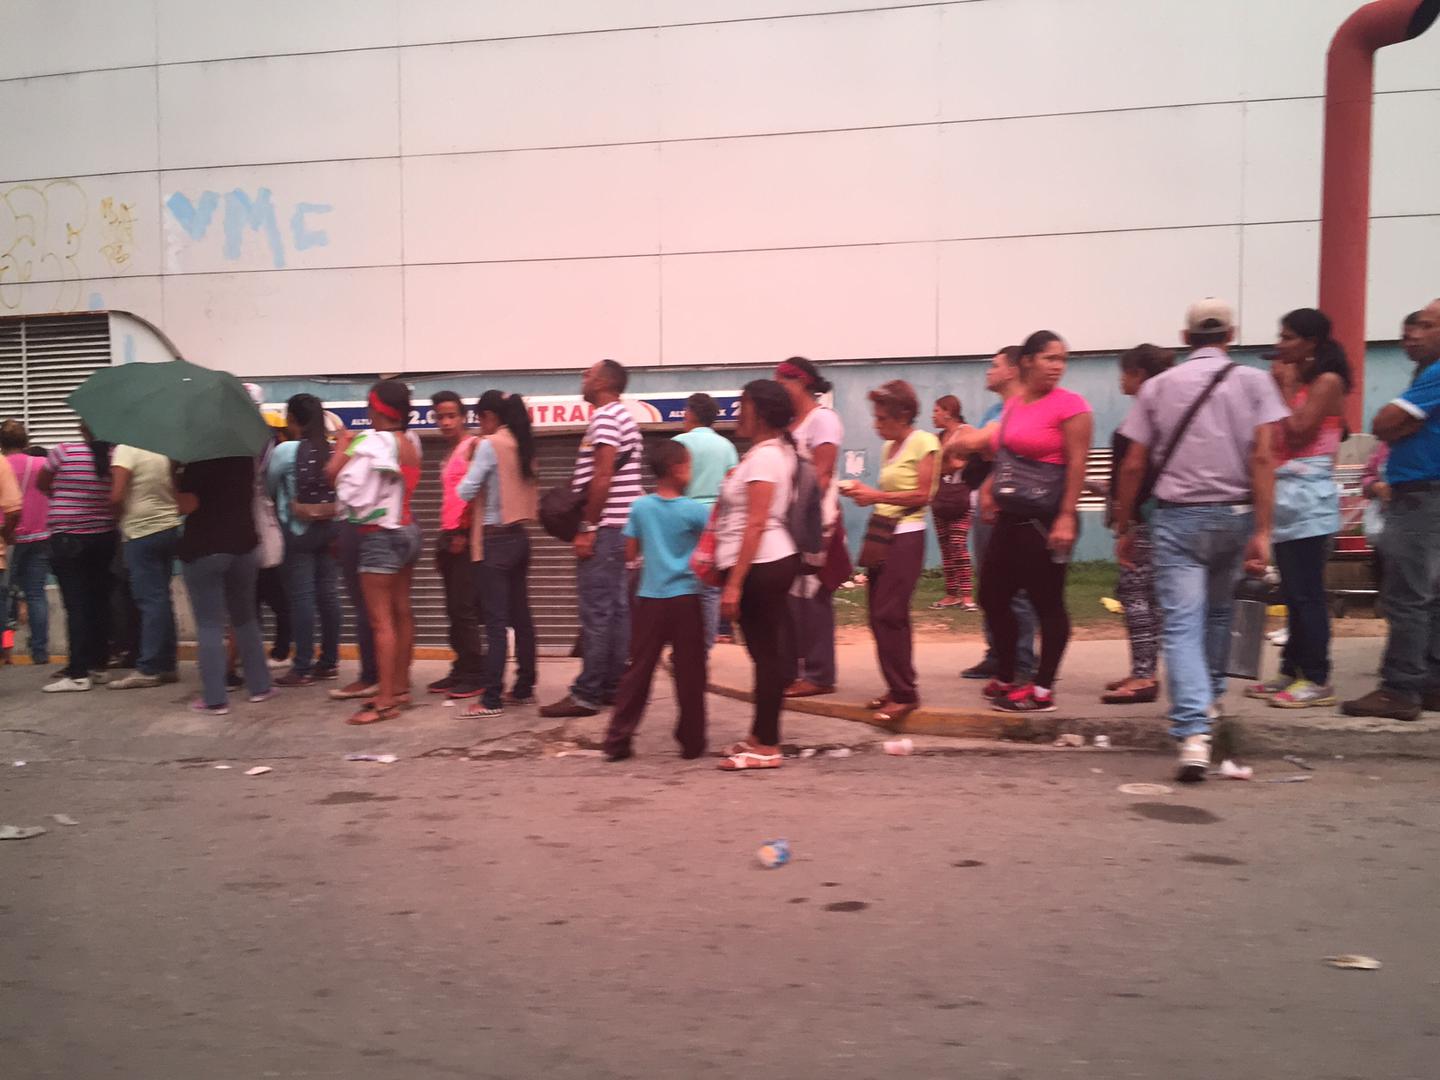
749, 759
878, 703
371, 715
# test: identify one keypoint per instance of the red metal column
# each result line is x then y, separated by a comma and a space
1345, 215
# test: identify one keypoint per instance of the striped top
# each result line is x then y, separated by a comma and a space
612, 425
79, 499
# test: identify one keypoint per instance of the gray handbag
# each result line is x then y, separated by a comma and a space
1024, 486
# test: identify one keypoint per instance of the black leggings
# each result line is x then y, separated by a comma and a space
765, 622
1018, 558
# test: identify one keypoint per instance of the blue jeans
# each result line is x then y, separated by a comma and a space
349, 548
1025, 661
1411, 594
314, 581
602, 583
222, 589
813, 622
505, 603
29, 569
1199, 557
151, 562
710, 613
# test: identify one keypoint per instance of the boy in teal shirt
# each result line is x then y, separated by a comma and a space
664, 528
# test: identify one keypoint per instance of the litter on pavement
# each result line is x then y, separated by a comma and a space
18, 764
1354, 962
1298, 762
899, 747
1230, 771
582, 752
1144, 789
1070, 739
774, 853
258, 770
383, 759
63, 819
1299, 778
19, 832
224, 766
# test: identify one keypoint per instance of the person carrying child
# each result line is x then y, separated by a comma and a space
664, 528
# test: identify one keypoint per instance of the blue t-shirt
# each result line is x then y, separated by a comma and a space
711, 457
993, 413
668, 530
1417, 457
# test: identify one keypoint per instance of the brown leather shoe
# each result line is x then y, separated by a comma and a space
566, 707
1384, 704
806, 688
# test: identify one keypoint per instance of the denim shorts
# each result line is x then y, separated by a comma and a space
388, 551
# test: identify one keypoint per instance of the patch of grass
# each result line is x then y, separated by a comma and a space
1086, 584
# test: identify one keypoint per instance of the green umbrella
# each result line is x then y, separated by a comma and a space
179, 409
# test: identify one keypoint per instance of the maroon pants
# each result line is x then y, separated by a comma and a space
676, 621
892, 585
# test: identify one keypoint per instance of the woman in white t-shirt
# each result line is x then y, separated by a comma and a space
755, 552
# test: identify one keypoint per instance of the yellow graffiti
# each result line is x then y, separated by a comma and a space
118, 232
42, 231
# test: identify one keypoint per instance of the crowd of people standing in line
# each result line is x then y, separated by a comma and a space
1217, 466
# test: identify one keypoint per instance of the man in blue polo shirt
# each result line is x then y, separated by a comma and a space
1410, 672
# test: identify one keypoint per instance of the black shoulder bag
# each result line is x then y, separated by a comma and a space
1180, 430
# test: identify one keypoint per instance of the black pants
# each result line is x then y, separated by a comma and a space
503, 576
770, 641
1018, 557
82, 567
270, 591
462, 608
1302, 584
676, 621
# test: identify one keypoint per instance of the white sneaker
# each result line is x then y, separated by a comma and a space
277, 665
98, 677
1194, 759
65, 686
1279, 638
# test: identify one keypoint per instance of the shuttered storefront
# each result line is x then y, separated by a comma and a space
42, 360
552, 564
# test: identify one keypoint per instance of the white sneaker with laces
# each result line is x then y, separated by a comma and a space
1194, 759
65, 686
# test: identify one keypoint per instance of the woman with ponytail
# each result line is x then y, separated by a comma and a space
305, 501
1310, 368
501, 480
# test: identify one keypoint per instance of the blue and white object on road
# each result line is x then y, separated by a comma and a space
774, 853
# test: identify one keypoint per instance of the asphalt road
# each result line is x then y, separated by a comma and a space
978, 915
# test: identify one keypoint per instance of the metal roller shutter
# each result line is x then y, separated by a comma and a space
552, 564
42, 360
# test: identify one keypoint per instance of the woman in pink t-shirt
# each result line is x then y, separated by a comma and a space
1040, 447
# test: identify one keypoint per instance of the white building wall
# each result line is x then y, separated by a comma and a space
318, 186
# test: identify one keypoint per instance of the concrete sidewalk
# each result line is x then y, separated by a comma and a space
953, 706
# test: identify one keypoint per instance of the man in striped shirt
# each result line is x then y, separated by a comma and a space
609, 461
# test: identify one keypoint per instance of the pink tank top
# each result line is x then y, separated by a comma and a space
1326, 442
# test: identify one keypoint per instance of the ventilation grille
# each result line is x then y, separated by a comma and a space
42, 361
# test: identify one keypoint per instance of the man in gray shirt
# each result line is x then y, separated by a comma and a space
1214, 503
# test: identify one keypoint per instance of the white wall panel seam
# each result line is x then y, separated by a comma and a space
705, 252
687, 139
880, 9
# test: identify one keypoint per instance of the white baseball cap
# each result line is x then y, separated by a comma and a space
1209, 316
